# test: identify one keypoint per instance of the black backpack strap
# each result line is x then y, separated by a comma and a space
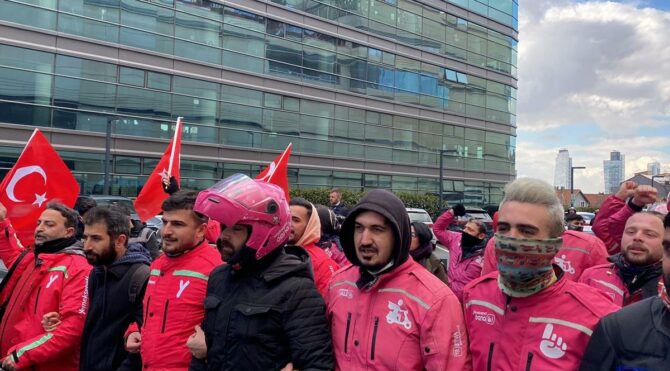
138, 279
17, 262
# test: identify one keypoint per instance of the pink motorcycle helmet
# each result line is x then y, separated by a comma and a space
262, 206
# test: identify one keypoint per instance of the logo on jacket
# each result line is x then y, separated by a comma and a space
485, 317
346, 293
52, 279
397, 315
182, 286
552, 345
565, 264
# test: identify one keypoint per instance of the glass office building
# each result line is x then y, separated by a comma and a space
371, 93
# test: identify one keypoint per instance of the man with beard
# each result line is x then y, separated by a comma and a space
51, 277
638, 336
176, 288
634, 273
262, 308
528, 315
466, 248
116, 288
386, 311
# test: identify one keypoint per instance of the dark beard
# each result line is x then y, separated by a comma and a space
106, 258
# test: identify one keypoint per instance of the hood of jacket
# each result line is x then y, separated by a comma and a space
390, 207
135, 253
291, 260
312, 232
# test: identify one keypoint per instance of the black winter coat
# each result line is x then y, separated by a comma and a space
636, 337
264, 318
108, 317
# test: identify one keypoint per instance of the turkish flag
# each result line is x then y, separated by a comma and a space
277, 171
148, 202
39, 176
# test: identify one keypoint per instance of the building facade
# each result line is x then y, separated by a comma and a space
562, 170
371, 93
614, 170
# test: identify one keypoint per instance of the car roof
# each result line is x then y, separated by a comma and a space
415, 210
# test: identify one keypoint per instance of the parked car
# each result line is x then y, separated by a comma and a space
472, 213
587, 216
419, 215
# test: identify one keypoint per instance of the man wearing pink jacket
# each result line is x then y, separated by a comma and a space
386, 311
528, 315
466, 248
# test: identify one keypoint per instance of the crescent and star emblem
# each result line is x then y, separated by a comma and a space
22, 173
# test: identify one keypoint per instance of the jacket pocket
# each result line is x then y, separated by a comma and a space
529, 361
346, 333
489, 362
165, 315
374, 339
211, 304
146, 312
259, 324
37, 298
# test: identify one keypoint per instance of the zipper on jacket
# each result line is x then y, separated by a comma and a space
490, 360
37, 298
374, 339
346, 335
165, 316
529, 360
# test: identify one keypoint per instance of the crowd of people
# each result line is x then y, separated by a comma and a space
246, 279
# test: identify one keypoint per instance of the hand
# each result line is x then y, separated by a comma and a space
8, 364
459, 210
288, 367
3, 212
196, 343
50, 321
626, 190
134, 342
644, 195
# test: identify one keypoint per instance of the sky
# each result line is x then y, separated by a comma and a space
594, 76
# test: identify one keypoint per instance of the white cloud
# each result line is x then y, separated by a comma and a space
601, 64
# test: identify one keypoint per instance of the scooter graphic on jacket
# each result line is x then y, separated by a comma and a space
397, 315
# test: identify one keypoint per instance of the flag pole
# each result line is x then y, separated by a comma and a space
174, 142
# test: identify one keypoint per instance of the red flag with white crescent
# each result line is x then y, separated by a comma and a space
39, 176
148, 202
277, 171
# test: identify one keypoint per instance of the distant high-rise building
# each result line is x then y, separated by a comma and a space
654, 168
614, 170
562, 171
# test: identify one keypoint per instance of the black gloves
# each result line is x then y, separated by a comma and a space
459, 210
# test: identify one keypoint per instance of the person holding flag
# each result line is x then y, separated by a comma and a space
48, 277
163, 181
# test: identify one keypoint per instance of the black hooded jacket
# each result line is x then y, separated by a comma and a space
264, 316
390, 207
112, 309
635, 338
